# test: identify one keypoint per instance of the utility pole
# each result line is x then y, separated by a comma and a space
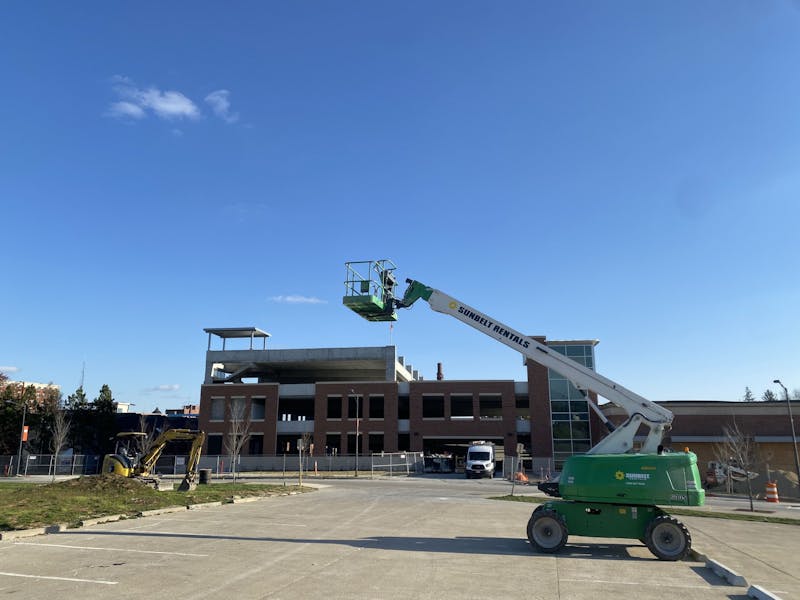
22, 430
794, 435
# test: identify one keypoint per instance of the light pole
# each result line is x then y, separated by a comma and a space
794, 436
357, 431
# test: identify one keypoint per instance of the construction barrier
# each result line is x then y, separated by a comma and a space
772, 492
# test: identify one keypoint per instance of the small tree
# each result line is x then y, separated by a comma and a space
61, 427
78, 400
737, 450
748, 395
238, 431
769, 396
105, 402
103, 409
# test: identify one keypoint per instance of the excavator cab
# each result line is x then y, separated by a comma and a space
125, 457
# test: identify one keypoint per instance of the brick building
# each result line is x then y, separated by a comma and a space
329, 393
700, 426
43, 391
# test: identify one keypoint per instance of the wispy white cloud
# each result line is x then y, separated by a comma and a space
170, 387
125, 109
221, 105
9, 369
169, 104
297, 299
136, 102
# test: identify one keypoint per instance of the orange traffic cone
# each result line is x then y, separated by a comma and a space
772, 492
521, 477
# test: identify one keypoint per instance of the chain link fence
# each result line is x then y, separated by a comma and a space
400, 463
393, 464
45, 464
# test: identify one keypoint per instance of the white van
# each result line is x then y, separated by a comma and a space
480, 460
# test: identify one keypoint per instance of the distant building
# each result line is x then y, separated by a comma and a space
43, 390
187, 409
700, 426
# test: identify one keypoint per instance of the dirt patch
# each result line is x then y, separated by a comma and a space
100, 484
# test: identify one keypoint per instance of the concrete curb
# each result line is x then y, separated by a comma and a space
7, 536
732, 577
26, 533
242, 500
697, 556
729, 575
161, 511
756, 591
204, 505
106, 519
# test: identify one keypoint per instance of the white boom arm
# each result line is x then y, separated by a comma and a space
640, 410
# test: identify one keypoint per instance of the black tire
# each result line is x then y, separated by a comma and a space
667, 538
547, 531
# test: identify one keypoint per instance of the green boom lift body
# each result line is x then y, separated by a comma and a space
608, 492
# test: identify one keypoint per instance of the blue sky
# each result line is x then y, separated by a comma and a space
623, 171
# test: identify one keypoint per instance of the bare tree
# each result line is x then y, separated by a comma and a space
305, 449
61, 430
737, 453
238, 431
145, 442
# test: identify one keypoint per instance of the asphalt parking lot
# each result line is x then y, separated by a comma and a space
383, 538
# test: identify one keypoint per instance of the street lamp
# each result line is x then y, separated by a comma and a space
357, 424
794, 436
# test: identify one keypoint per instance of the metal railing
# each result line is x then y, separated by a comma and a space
399, 463
45, 464
394, 463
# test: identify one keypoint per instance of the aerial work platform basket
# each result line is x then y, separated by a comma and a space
369, 289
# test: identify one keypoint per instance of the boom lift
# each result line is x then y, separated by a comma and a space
608, 492
127, 462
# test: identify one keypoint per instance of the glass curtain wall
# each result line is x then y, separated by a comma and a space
568, 407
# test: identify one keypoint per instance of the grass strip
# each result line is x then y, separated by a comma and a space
684, 512
28, 505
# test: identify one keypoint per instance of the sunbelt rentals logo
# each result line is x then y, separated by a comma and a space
633, 478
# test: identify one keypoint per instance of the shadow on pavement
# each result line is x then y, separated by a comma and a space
457, 545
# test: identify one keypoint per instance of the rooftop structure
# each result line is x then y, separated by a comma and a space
306, 365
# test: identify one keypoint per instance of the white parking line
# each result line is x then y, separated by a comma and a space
107, 549
639, 584
98, 581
